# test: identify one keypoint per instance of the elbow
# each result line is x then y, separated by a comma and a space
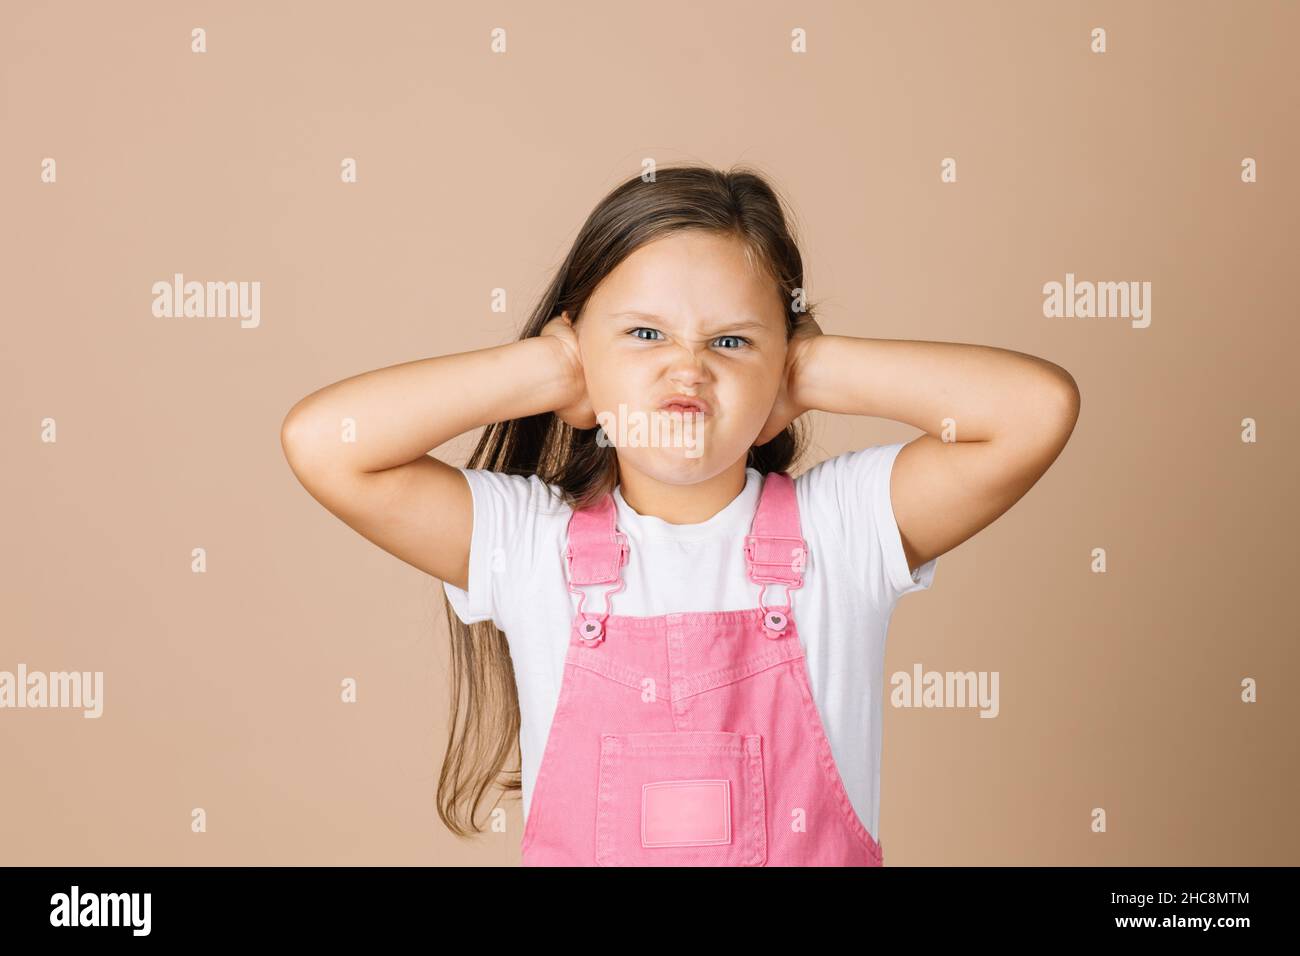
1057, 400
1045, 416
296, 433
1059, 411
1047, 395
1069, 400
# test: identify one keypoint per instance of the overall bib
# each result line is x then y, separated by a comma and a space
691, 739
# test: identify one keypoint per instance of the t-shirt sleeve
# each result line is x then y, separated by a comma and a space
506, 512
858, 482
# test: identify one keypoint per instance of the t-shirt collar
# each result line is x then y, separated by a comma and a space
736, 517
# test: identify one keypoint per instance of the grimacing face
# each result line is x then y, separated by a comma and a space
688, 315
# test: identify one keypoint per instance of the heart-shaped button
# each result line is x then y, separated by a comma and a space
591, 630
774, 621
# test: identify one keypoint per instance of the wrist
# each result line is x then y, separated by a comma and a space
806, 373
565, 375
540, 368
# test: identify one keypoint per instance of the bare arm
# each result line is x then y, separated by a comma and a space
382, 482
1012, 414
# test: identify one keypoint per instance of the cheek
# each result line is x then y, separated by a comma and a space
614, 380
756, 385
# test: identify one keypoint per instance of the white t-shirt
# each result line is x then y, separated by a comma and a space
854, 573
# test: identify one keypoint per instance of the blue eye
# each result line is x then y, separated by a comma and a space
738, 338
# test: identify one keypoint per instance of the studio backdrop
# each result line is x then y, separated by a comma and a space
233, 676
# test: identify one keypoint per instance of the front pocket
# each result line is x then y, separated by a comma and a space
683, 798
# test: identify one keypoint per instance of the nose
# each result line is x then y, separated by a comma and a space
686, 370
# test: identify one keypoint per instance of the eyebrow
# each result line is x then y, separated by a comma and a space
745, 325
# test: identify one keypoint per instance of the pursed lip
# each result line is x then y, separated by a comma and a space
686, 403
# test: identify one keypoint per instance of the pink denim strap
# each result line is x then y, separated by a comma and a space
597, 549
595, 554
775, 550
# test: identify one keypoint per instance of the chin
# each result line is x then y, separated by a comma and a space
671, 465
675, 466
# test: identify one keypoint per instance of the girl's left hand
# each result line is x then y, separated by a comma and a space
788, 406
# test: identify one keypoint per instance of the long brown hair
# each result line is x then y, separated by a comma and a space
739, 203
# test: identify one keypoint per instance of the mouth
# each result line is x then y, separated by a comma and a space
684, 405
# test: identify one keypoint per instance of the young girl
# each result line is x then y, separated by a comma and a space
686, 642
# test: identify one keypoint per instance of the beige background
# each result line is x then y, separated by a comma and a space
476, 169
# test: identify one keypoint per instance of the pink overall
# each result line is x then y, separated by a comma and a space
691, 739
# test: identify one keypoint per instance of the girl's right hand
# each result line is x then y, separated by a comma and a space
577, 411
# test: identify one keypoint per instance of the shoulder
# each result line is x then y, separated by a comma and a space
848, 474
519, 522
514, 493
849, 496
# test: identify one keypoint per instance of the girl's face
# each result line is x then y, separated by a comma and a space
685, 315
